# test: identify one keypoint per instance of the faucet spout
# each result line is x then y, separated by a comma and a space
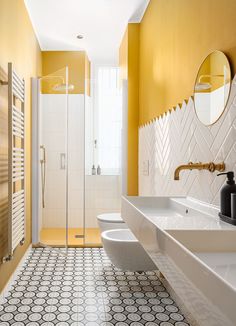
211, 167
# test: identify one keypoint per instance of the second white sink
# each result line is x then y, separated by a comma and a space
187, 240
222, 263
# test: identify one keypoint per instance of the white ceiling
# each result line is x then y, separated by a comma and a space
101, 22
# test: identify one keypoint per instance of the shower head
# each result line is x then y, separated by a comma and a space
59, 87
63, 87
202, 86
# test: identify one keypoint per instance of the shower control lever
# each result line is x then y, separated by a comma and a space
63, 161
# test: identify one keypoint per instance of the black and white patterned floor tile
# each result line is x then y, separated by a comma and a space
82, 287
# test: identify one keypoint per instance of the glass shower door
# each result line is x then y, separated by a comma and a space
53, 167
76, 129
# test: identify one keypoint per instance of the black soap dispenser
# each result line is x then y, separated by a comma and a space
225, 198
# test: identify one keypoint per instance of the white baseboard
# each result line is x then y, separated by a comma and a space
12, 278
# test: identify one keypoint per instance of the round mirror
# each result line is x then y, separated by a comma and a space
212, 87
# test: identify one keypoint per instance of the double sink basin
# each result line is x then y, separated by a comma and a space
193, 249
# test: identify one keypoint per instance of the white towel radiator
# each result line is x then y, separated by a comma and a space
16, 160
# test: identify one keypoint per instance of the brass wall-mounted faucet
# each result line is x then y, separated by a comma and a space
199, 166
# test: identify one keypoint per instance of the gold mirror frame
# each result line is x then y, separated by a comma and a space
198, 77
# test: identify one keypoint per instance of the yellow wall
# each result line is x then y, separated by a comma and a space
19, 45
129, 63
161, 56
175, 36
77, 63
123, 56
88, 76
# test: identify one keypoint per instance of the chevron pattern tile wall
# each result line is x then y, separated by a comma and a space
179, 137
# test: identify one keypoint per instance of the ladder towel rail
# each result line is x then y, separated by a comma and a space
16, 156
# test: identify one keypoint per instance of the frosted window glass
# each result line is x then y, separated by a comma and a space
109, 120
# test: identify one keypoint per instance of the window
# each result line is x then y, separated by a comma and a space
108, 120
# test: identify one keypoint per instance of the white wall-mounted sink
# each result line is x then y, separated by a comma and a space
194, 250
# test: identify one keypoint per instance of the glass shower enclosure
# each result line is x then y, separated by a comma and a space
58, 162
73, 135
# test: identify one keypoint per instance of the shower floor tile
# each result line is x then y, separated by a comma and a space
82, 287
57, 236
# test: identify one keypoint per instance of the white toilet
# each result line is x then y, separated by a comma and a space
110, 221
125, 252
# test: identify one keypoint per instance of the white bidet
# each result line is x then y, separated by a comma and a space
125, 252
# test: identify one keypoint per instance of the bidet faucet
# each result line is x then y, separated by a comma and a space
211, 167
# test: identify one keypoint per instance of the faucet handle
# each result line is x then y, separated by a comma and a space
212, 167
190, 163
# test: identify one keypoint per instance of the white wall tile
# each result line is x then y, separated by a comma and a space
53, 137
76, 218
76, 179
179, 137
54, 218
102, 193
75, 199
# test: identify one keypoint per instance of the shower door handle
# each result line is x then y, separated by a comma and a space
43, 173
43, 160
62, 161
